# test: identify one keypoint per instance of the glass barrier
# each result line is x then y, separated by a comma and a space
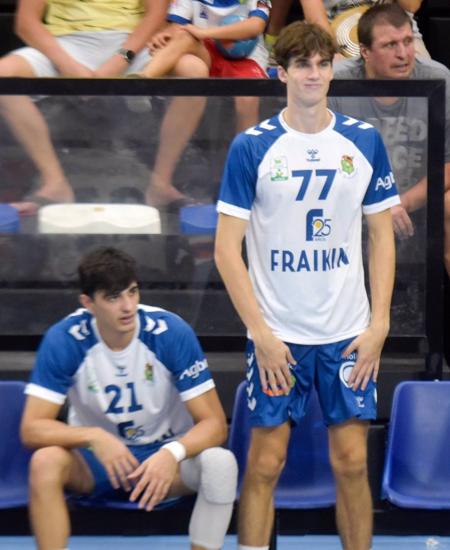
122, 144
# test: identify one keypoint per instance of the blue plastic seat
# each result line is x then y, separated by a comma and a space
185, 502
307, 480
417, 466
14, 457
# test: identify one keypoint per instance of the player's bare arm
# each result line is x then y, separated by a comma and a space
40, 428
156, 476
370, 343
272, 354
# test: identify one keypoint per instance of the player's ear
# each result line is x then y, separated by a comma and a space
282, 74
85, 301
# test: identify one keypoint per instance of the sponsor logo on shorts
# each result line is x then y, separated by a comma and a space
346, 370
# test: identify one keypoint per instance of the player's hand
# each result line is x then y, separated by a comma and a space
153, 479
274, 357
115, 457
73, 69
403, 225
368, 346
196, 32
159, 41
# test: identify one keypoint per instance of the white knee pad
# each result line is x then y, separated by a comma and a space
213, 474
218, 478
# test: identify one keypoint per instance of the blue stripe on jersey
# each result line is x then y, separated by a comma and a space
244, 157
220, 3
175, 344
62, 351
177, 19
368, 140
259, 13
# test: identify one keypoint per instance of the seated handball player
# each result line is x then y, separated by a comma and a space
222, 39
145, 421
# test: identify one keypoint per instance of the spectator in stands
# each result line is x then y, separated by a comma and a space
186, 49
387, 51
339, 17
145, 420
296, 187
71, 38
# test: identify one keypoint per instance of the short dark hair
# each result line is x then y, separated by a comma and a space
302, 40
380, 14
107, 269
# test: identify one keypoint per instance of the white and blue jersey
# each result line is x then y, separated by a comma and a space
304, 195
209, 13
137, 393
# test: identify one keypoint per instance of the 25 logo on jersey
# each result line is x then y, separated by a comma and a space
318, 228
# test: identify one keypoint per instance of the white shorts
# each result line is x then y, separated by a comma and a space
91, 49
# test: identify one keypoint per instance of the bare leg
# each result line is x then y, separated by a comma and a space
52, 470
29, 127
247, 110
265, 462
179, 123
165, 60
348, 455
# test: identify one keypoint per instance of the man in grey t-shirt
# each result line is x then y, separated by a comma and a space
387, 51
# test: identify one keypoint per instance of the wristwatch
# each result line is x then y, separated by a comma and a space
128, 55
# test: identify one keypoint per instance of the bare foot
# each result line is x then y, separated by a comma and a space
161, 194
47, 194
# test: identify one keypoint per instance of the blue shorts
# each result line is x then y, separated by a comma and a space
103, 488
319, 366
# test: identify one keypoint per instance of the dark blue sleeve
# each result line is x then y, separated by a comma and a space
382, 184
179, 350
240, 175
56, 362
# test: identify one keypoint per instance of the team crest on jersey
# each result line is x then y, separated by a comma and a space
279, 169
148, 372
347, 166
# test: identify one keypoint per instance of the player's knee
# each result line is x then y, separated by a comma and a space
12, 65
265, 467
349, 463
48, 467
218, 476
182, 37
